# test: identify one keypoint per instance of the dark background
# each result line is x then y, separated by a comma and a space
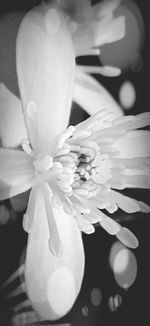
134, 309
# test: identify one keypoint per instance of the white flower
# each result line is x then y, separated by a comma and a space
88, 25
73, 173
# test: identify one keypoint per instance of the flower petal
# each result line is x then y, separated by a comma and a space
53, 283
108, 71
128, 238
92, 96
12, 125
109, 31
109, 225
84, 225
127, 204
134, 144
16, 173
45, 67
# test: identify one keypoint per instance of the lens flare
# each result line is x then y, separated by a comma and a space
96, 297
124, 265
127, 95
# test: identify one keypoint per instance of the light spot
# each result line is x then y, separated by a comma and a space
85, 311
127, 95
126, 277
52, 21
115, 249
121, 261
114, 302
61, 290
96, 297
124, 265
4, 215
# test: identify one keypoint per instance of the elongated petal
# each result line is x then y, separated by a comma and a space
109, 225
53, 283
104, 70
128, 238
127, 204
84, 225
92, 96
134, 144
16, 173
45, 66
12, 125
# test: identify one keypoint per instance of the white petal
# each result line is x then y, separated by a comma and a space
12, 125
127, 204
92, 96
127, 238
109, 225
84, 225
104, 70
110, 31
134, 144
45, 67
16, 173
53, 283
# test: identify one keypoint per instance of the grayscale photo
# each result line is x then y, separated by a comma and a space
74, 162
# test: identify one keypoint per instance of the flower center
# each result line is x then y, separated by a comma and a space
77, 168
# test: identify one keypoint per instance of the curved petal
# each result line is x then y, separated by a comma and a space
92, 96
16, 173
12, 125
45, 67
53, 283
